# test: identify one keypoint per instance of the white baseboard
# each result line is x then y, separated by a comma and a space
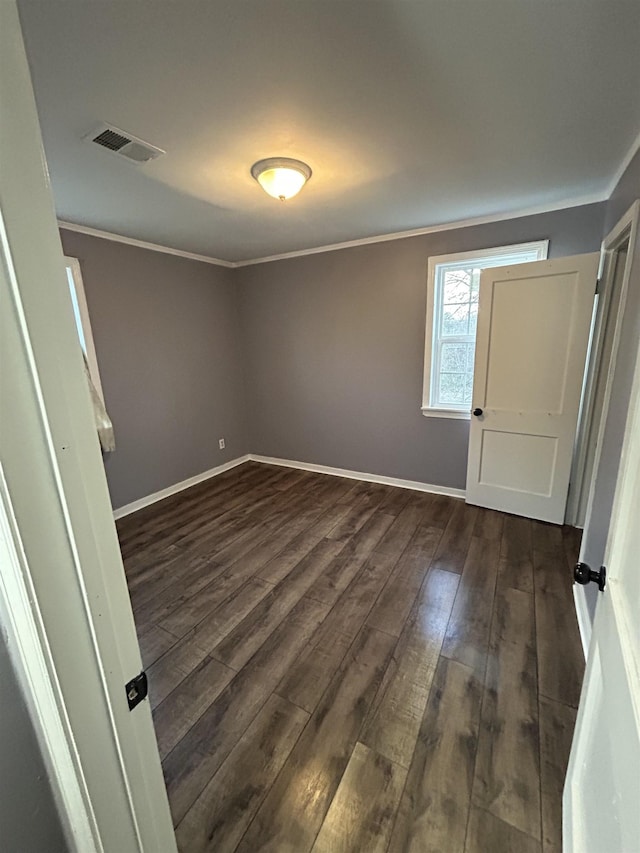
127, 509
584, 618
360, 475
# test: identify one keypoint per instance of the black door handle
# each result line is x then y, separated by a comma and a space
584, 574
477, 412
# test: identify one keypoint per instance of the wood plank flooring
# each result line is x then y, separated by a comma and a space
346, 666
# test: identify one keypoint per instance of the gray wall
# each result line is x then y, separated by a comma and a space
334, 347
29, 821
328, 348
595, 539
166, 332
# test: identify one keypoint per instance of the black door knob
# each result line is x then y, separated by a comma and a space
584, 574
477, 412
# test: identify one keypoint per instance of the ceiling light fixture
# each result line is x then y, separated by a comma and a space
281, 177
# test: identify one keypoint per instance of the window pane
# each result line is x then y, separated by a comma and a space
452, 388
475, 285
471, 357
453, 358
473, 318
76, 309
455, 290
455, 319
456, 286
468, 391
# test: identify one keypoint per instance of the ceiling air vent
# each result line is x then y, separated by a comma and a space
124, 144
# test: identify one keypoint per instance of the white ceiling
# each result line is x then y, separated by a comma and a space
409, 113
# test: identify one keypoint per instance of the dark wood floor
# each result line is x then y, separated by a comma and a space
345, 666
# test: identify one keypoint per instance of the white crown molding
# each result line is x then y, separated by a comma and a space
563, 204
347, 244
622, 168
414, 485
594, 198
134, 506
141, 244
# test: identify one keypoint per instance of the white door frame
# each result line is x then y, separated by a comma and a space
63, 595
31, 657
626, 227
590, 430
615, 634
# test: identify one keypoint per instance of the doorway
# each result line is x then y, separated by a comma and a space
617, 252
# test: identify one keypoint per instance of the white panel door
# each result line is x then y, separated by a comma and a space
64, 589
531, 345
601, 804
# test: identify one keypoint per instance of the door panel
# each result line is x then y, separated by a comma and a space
606, 749
533, 330
527, 363
602, 789
517, 461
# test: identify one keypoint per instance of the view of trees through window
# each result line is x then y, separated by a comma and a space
453, 293
457, 333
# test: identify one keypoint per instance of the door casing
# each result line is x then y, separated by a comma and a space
66, 596
591, 424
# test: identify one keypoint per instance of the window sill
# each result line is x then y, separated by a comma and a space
456, 414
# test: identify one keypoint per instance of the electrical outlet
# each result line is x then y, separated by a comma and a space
221, 444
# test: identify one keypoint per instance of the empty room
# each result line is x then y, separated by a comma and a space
320, 426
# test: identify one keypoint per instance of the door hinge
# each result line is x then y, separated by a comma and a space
598, 285
137, 689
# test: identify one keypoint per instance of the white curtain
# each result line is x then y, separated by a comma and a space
102, 419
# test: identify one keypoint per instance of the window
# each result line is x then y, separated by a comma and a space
83, 325
452, 314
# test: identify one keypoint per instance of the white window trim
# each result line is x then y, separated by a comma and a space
541, 247
83, 309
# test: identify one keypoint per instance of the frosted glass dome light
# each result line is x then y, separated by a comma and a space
281, 177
